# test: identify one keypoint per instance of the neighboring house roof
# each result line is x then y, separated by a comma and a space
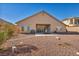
39, 13
70, 18
3, 21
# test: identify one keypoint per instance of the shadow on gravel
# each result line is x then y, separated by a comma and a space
20, 49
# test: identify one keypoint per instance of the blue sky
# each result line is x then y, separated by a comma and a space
14, 12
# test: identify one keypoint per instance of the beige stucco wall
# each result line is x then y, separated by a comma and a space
73, 29
67, 22
42, 19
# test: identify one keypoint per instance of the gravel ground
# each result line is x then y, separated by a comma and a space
43, 45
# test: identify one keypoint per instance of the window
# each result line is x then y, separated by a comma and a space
22, 28
28, 28
71, 21
78, 21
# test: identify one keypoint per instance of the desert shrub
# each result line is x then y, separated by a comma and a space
6, 34
10, 33
3, 36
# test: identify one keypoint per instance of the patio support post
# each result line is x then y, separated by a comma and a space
73, 21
